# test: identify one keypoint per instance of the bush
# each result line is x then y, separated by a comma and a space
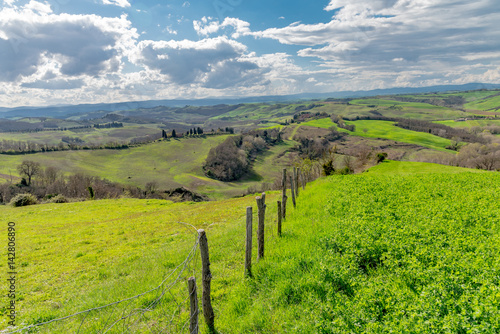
328, 168
381, 157
58, 199
23, 200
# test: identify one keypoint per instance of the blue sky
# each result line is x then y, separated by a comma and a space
92, 51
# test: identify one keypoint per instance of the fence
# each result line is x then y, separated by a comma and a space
169, 299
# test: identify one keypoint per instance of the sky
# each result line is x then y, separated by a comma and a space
105, 51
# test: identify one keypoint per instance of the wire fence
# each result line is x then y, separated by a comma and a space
162, 309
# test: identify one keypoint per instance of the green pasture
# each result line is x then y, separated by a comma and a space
488, 103
409, 168
89, 136
471, 123
171, 164
403, 246
386, 130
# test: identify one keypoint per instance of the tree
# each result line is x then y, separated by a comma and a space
29, 169
174, 134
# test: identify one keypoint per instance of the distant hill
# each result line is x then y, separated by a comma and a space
63, 111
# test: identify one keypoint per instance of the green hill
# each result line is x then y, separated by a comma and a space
383, 251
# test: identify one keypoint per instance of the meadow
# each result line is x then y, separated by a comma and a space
385, 130
404, 245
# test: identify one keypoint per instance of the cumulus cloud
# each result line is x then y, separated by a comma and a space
119, 3
384, 38
208, 25
201, 62
33, 38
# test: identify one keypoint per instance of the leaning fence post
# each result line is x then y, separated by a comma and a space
193, 301
206, 275
279, 218
248, 254
261, 204
292, 181
283, 197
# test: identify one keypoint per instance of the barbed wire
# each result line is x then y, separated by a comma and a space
162, 288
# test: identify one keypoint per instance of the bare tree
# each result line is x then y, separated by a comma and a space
151, 187
50, 175
29, 169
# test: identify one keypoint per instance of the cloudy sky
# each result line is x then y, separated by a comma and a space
90, 51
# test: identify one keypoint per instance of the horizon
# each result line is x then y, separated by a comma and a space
59, 52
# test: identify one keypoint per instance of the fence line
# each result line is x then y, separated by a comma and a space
162, 289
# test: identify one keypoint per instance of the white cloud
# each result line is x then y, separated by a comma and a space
212, 62
207, 26
32, 38
119, 3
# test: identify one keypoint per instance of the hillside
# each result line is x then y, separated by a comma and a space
405, 245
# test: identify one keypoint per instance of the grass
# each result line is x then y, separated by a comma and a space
388, 103
78, 256
171, 164
386, 130
366, 253
89, 136
470, 123
487, 103
410, 168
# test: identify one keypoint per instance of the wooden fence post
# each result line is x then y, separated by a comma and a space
292, 181
206, 276
297, 182
248, 256
283, 197
303, 179
279, 218
261, 204
193, 301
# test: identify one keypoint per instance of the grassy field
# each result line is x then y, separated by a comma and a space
410, 168
89, 136
77, 256
171, 164
386, 130
384, 251
487, 103
470, 123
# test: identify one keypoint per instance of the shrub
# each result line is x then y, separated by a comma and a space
328, 168
23, 200
58, 199
381, 157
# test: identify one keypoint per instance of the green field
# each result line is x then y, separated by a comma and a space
89, 136
410, 168
171, 164
386, 130
388, 103
488, 103
470, 123
383, 251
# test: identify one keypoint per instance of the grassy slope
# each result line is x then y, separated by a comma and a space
76, 256
409, 168
381, 253
172, 164
387, 130
471, 123
90, 136
487, 103
362, 253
